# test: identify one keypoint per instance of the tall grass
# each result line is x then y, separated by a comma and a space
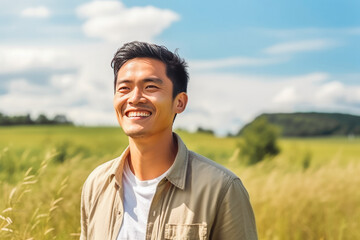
309, 191
318, 203
316, 200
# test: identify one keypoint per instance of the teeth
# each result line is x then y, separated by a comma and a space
138, 114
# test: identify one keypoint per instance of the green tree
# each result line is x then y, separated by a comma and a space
61, 119
42, 119
259, 141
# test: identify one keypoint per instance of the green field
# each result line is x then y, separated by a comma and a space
309, 191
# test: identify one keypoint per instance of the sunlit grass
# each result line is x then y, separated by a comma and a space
309, 191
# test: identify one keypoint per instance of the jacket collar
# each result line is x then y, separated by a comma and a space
118, 167
176, 174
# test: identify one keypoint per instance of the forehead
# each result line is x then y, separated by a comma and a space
142, 68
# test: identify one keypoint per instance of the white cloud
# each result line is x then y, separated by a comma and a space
21, 58
286, 96
21, 86
84, 95
225, 102
353, 94
233, 62
63, 81
36, 12
330, 92
297, 89
303, 32
112, 21
335, 92
300, 46
99, 9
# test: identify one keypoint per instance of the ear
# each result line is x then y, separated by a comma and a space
180, 102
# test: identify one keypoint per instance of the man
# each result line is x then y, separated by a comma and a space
157, 189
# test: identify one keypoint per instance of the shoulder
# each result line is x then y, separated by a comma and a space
211, 174
98, 177
214, 179
101, 170
207, 166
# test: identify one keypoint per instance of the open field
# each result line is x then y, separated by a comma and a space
309, 191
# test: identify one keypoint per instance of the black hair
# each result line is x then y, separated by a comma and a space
176, 67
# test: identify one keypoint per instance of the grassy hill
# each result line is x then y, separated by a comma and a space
313, 124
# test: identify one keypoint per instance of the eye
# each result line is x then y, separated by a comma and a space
151, 87
123, 89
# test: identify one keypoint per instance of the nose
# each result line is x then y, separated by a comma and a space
136, 97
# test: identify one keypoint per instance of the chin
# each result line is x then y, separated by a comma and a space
135, 133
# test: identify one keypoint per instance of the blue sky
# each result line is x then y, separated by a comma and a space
245, 57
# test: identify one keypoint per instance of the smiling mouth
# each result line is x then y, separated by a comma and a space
134, 114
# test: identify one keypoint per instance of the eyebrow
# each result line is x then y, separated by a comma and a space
155, 80
146, 80
123, 81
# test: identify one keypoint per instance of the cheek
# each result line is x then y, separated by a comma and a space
166, 107
118, 103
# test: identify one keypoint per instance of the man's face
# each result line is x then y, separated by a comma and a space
143, 98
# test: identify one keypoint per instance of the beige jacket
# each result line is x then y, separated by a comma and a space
198, 199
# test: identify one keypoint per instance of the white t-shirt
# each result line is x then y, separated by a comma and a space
137, 200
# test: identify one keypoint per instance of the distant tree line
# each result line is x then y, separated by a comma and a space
205, 130
309, 124
42, 119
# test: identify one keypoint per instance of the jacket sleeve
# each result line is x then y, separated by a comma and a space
84, 214
235, 218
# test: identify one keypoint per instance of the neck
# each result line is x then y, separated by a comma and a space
151, 156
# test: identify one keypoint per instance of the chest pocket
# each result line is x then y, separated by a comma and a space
185, 231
